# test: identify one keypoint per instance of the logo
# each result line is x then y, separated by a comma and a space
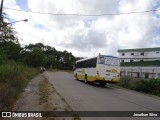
114, 71
6, 114
21, 114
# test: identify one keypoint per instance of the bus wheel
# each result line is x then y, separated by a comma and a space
102, 84
85, 79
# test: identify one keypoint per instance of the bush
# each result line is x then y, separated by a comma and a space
151, 86
8, 94
125, 82
13, 78
3, 57
148, 86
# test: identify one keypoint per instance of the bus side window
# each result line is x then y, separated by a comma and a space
87, 64
84, 64
94, 62
91, 63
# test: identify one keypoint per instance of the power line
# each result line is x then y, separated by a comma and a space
105, 14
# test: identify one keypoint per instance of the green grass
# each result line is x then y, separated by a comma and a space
44, 94
13, 79
151, 86
44, 91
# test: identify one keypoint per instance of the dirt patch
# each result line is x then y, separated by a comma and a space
30, 97
40, 95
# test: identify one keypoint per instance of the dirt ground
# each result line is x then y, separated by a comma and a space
40, 95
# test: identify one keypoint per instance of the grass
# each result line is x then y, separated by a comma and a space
151, 86
44, 94
44, 91
13, 79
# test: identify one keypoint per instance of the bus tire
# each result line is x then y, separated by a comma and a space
85, 79
102, 84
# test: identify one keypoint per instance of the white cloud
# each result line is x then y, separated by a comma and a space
88, 36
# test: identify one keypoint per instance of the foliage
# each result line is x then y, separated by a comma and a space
11, 50
125, 82
151, 86
142, 63
14, 62
51, 57
3, 57
35, 57
148, 86
13, 78
7, 33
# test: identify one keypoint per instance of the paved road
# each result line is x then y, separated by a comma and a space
84, 97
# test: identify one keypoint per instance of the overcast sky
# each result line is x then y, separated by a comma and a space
87, 36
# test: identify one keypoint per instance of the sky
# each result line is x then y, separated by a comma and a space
87, 36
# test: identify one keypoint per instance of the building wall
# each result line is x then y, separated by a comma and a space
137, 56
141, 72
140, 55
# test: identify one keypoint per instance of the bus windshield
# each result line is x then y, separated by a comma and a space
108, 60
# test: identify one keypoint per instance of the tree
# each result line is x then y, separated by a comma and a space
7, 33
3, 57
9, 41
36, 57
33, 54
11, 49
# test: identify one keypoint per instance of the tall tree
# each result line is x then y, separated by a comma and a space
36, 57
9, 41
7, 33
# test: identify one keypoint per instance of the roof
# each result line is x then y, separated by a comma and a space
140, 50
86, 59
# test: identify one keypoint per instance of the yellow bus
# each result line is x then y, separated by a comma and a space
102, 69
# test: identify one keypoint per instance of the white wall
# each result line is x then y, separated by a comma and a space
153, 72
153, 55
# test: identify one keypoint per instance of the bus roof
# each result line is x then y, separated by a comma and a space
86, 59
94, 57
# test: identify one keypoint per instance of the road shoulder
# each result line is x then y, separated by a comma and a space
40, 95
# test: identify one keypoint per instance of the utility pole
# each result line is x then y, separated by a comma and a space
1, 17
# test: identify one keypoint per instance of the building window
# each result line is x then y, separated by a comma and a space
131, 60
146, 75
122, 60
157, 52
142, 53
132, 53
123, 54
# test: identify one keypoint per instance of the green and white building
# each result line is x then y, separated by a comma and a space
140, 63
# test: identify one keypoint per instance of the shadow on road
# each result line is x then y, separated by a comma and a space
108, 86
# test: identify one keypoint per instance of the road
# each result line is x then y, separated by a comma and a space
84, 97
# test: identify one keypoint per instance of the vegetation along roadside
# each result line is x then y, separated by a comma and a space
149, 86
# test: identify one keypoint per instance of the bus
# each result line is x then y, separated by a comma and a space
102, 69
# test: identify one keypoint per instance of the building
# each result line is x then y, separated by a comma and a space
140, 63
142, 54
